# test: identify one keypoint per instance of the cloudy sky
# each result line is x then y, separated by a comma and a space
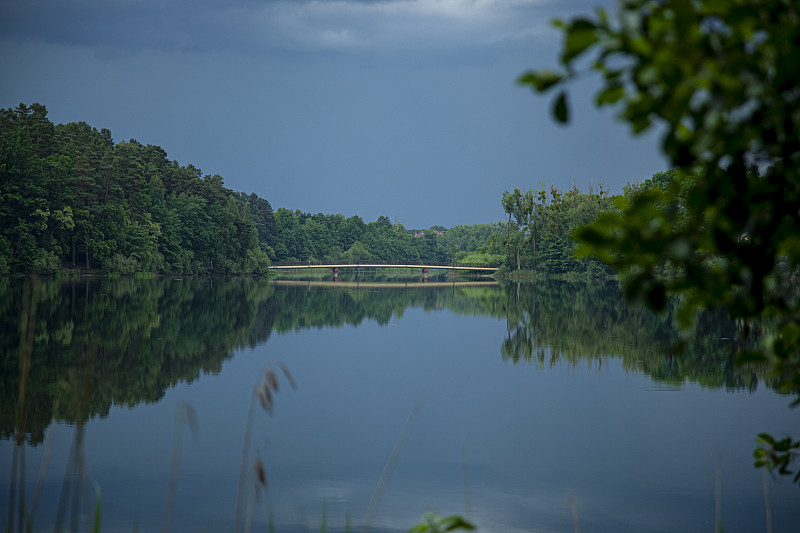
403, 108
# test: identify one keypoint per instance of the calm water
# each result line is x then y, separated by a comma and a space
524, 408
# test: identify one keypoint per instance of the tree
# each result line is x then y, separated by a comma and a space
352, 230
722, 81
263, 219
518, 206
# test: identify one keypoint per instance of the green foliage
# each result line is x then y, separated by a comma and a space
479, 258
721, 80
118, 264
436, 524
334, 239
540, 226
44, 262
777, 454
69, 194
257, 262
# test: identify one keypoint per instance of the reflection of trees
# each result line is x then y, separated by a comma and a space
547, 323
99, 343
590, 322
96, 343
311, 305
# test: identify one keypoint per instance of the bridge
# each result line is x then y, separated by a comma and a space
425, 267
383, 285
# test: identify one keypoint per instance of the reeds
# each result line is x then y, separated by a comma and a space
265, 389
574, 508
27, 331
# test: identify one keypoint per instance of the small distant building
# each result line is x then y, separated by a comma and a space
417, 235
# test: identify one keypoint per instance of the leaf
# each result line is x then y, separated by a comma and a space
560, 110
451, 523
610, 95
540, 80
582, 23
580, 36
591, 235
766, 437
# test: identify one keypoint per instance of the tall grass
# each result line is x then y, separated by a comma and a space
264, 390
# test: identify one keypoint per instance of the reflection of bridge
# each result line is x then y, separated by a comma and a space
425, 267
382, 284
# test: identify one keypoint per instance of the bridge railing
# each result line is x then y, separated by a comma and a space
301, 264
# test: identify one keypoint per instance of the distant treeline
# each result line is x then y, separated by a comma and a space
540, 224
334, 238
71, 196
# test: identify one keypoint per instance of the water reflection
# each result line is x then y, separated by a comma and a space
584, 322
71, 351
547, 323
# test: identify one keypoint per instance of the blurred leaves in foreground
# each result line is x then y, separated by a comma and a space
721, 81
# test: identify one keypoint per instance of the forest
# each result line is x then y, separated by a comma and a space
539, 228
542, 224
71, 197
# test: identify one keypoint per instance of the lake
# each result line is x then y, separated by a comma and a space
523, 407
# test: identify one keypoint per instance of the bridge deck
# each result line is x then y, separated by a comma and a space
383, 285
371, 265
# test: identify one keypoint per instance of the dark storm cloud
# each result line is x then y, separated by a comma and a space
122, 24
404, 108
247, 26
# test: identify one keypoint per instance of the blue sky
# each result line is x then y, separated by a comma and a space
403, 108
